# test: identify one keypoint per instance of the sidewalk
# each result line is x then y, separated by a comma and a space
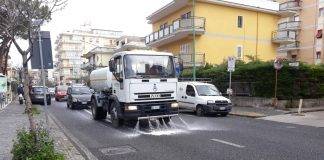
13, 118
255, 112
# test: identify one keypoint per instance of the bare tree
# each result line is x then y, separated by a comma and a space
17, 23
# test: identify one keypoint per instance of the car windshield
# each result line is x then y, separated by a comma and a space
81, 90
207, 90
39, 89
62, 88
148, 66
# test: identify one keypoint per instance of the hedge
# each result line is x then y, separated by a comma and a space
258, 77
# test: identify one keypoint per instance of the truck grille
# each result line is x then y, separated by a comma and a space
154, 96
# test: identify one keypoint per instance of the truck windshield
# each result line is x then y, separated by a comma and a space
207, 90
149, 66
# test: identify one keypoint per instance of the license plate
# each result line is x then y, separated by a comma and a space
155, 107
222, 108
84, 102
155, 95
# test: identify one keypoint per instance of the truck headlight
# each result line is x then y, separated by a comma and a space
131, 108
74, 99
210, 102
174, 105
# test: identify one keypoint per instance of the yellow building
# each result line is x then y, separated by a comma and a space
222, 28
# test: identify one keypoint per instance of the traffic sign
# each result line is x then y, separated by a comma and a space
231, 64
277, 64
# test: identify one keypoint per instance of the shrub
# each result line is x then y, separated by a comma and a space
27, 148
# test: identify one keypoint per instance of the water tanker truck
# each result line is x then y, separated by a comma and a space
137, 85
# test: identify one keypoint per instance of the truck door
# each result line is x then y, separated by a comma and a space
188, 100
118, 84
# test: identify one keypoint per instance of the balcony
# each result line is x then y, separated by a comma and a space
180, 28
292, 25
187, 61
289, 8
288, 47
284, 37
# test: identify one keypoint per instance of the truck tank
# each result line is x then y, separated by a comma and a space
100, 79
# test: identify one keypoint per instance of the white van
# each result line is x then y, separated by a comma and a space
203, 98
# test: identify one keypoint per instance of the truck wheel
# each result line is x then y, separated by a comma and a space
115, 120
98, 113
200, 111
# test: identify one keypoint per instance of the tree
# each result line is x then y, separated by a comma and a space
16, 19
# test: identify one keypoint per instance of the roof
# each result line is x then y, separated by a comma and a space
143, 52
265, 6
196, 83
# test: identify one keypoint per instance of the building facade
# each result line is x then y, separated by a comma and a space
71, 46
97, 58
299, 31
222, 28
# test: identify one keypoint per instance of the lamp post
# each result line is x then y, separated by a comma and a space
194, 41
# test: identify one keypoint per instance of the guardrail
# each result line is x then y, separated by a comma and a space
289, 25
187, 59
289, 5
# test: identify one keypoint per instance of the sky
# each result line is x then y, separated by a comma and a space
128, 16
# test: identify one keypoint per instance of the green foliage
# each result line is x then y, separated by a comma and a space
27, 148
306, 81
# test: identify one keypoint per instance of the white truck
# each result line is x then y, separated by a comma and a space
203, 98
137, 85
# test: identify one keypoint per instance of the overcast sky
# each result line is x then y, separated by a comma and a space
128, 16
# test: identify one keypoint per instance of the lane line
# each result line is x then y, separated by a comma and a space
88, 111
228, 143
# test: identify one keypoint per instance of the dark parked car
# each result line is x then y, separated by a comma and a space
37, 95
60, 92
78, 97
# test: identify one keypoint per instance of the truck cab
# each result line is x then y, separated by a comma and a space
137, 84
203, 98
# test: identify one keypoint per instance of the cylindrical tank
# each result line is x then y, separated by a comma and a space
100, 79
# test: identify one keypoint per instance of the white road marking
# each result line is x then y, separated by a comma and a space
228, 143
87, 111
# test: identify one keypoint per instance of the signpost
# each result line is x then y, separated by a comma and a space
277, 64
230, 69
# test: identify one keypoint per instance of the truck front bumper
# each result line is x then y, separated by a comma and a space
150, 109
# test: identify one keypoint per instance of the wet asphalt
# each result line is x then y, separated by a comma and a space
201, 138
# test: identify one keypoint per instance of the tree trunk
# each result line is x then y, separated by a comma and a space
26, 83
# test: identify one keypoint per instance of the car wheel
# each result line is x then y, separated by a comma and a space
97, 113
200, 111
115, 120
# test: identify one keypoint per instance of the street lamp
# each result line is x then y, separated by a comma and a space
38, 24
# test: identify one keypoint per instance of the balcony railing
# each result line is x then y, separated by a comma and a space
289, 8
289, 5
177, 26
187, 59
293, 25
288, 47
284, 37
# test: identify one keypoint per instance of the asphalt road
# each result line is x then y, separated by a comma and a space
214, 138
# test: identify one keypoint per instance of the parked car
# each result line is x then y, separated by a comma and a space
51, 91
37, 95
203, 98
60, 92
78, 97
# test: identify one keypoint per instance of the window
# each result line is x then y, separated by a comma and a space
321, 12
240, 21
185, 48
319, 34
186, 15
163, 26
118, 66
190, 91
318, 55
296, 18
239, 52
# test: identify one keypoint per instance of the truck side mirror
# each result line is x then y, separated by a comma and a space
112, 66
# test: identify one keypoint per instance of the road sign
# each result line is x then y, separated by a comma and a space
277, 64
231, 64
46, 49
294, 64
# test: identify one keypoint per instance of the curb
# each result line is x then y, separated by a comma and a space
247, 114
306, 111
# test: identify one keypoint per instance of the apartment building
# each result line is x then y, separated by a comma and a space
97, 58
300, 29
71, 46
222, 28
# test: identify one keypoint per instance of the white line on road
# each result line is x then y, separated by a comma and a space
228, 143
88, 111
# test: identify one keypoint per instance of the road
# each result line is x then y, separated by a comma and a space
230, 138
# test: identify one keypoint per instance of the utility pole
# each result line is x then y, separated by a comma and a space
194, 41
